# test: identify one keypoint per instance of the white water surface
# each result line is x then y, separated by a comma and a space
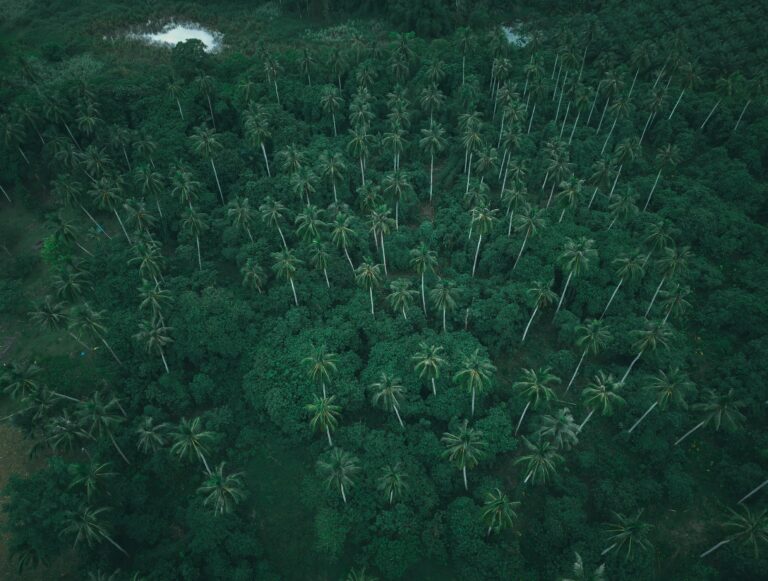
173, 33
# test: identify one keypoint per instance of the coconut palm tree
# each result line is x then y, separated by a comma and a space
475, 374
498, 511
271, 69
747, 528
359, 144
561, 427
85, 525
393, 481
303, 183
342, 233
332, 167
310, 222
257, 131
542, 296
339, 470
99, 418
673, 263
381, 225
138, 217
151, 436
85, 320
386, 392
368, 275
52, 316
628, 533
464, 449
528, 221
321, 364
222, 492
720, 409
291, 159
241, 214
675, 302
331, 101
206, 144
433, 141
428, 362
155, 336
667, 157
423, 260
593, 336
185, 187
253, 275
206, 87
272, 212
536, 387
444, 297
398, 185
401, 296
318, 258
541, 463
191, 441
601, 394
668, 389
194, 223
19, 381
629, 268
108, 197
324, 415
285, 266
174, 90
653, 335
576, 258
580, 574
482, 221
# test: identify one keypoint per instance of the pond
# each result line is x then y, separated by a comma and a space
173, 33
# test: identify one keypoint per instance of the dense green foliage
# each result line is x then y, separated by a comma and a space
342, 301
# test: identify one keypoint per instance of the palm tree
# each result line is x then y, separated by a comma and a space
321, 364
428, 362
423, 260
747, 528
471, 140
541, 463
257, 131
85, 524
194, 223
535, 387
576, 258
393, 481
398, 185
721, 409
191, 441
498, 511
100, 418
444, 297
108, 197
52, 316
205, 86
20, 380
90, 477
561, 427
601, 394
83, 319
580, 574
253, 275
628, 268
667, 157
339, 469
332, 168
381, 224
185, 187
433, 141
542, 296
482, 221
593, 337
174, 90
673, 263
324, 415
464, 449
359, 144
401, 295
303, 183
272, 212
342, 234
331, 102
386, 392
628, 533
291, 159
155, 336
527, 221
476, 374
318, 258
151, 183
652, 336
368, 275
222, 493
309, 222
285, 266
206, 145
668, 388
151, 436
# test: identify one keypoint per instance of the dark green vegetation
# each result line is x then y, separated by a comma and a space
426, 305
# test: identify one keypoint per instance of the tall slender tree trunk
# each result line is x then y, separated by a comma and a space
691, 431
119, 451
346, 253
584, 423
530, 122
210, 108
335, 194
280, 231
520, 421
397, 214
631, 365
266, 160
519, 254
592, 199
656, 181
328, 433
469, 172
335, 132
575, 123
738, 121
600, 124
676, 104
576, 372
122, 226
199, 258
565, 118
384, 255
218, 185
343, 496
277, 93
104, 341
710, 115
653, 300
423, 295
647, 123
362, 170
434, 388
649, 410
181, 113
431, 174
528, 326
615, 181
473, 402
477, 252
293, 288
444, 329
464, 472
594, 102
715, 548
370, 293
7, 197
463, 67
327, 282
399, 419
754, 490
565, 289
165, 363
608, 138
618, 286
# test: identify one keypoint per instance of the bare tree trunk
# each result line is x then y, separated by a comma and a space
520, 421
165, 363
691, 431
584, 423
399, 419
645, 128
464, 472
565, 289
370, 292
653, 300
600, 124
530, 122
335, 132
266, 161
328, 433
576, 372
710, 115
631, 365
210, 108
384, 255
348, 258
605, 310
199, 258
615, 181
519, 254
713, 549
423, 296
738, 121
119, 451
122, 226
181, 113
477, 252
575, 123
676, 104
7, 197
763, 485
216, 175
533, 314
434, 389
431, 174
293, 288
649, 410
